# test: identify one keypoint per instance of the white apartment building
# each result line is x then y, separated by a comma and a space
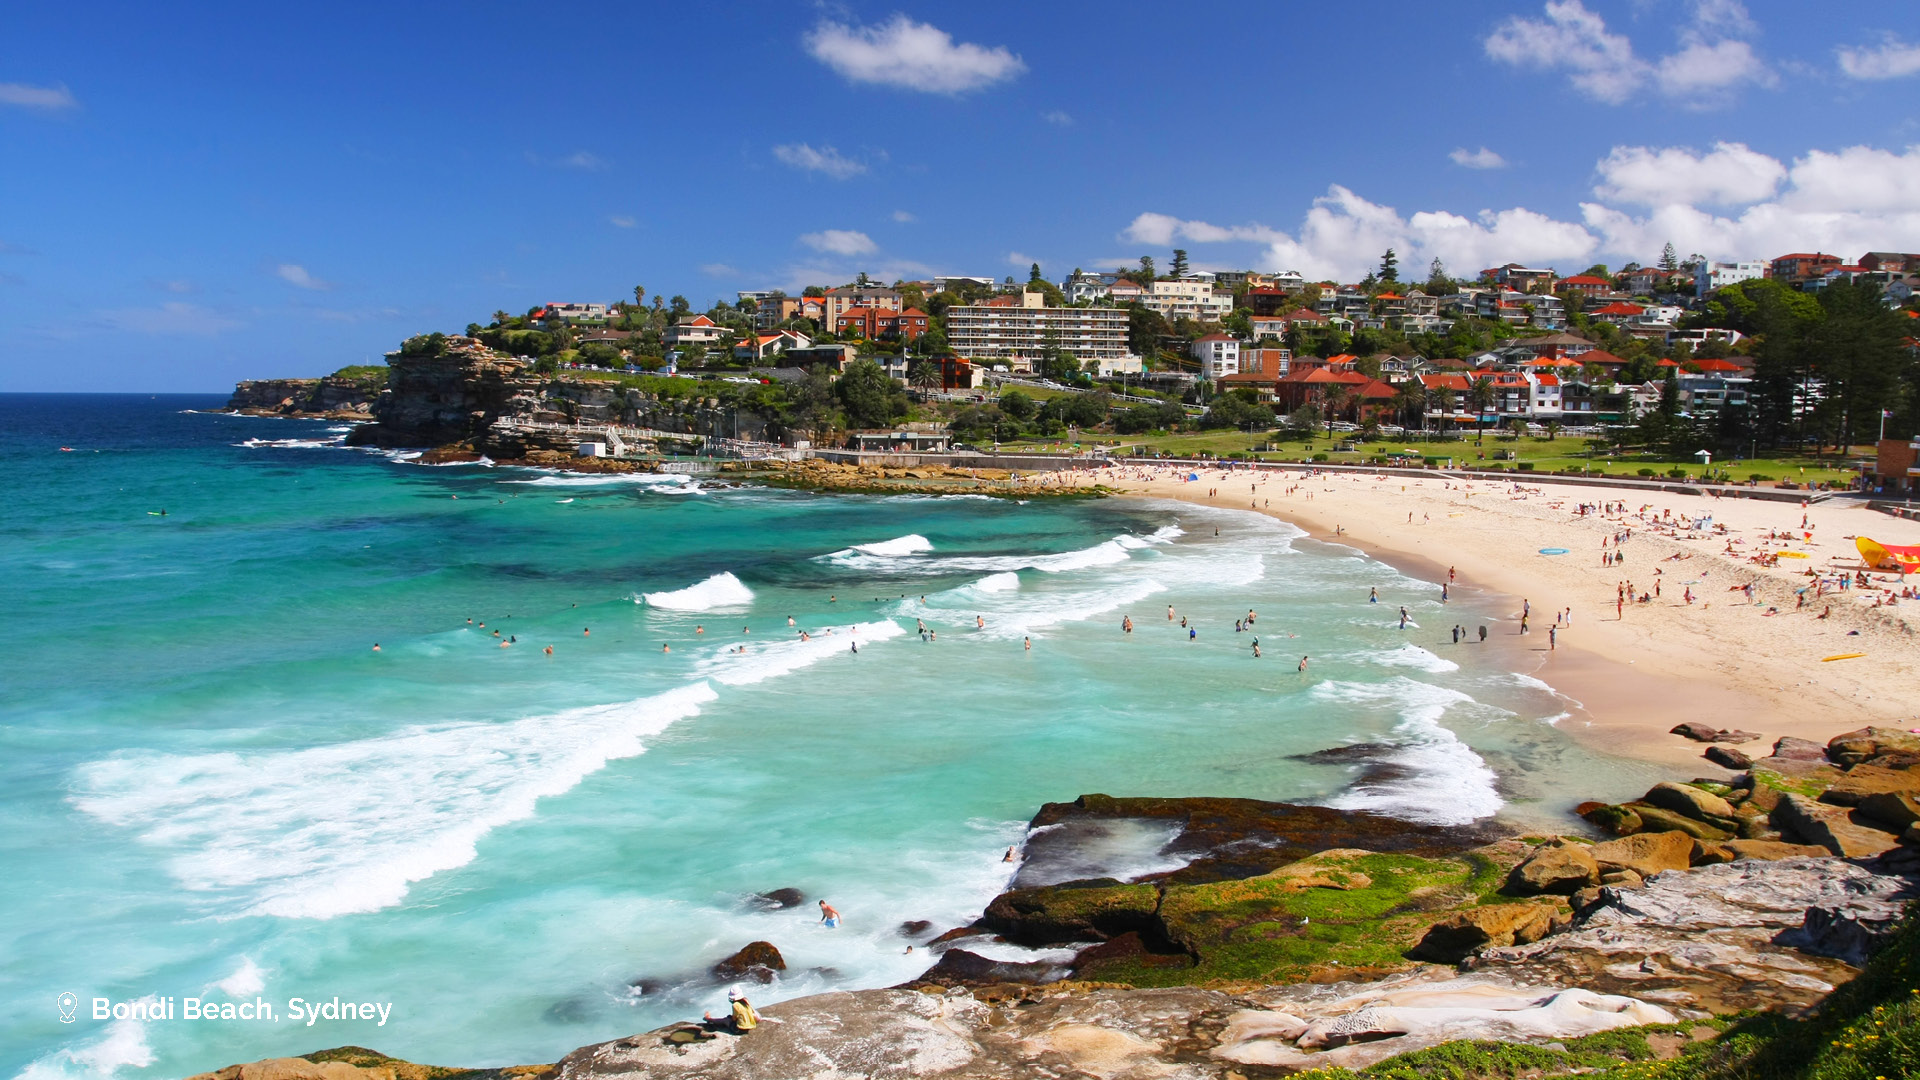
1709, 275
566, 312
1188, 299
1021, 327
1219, 356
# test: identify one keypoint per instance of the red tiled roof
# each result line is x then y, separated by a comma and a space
1716, 364
1619, 309
1585, 279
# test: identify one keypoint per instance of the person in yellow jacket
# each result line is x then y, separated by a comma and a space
743, 1019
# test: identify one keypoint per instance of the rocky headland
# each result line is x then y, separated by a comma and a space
1701, 929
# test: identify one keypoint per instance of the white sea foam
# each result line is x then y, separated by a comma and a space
292, 444
246, 980
658, 480
1445, 782
764, 661
997, 583
124, 1045
722, 590
332, 830
911, 544
1413, 656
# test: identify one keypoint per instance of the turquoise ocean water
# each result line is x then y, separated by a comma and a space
213, 787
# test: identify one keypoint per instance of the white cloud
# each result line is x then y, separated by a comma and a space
824, 160
1891, 59
840, 242
174, 317
911, 55
1713, 61
581, 159
47, 98
903, 217
1846, 201
297, 275
622, 221
1482, 158
1600, 64
1020, 259
718, 270
1057, 117
1728, 174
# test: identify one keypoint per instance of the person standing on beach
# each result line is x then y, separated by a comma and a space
1483, 633
1553, 638
1456, 633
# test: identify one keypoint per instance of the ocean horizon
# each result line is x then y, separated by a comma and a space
220, 789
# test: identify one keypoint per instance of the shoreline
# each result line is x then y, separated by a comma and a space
1631, 678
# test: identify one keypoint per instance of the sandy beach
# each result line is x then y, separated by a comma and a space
1635, 669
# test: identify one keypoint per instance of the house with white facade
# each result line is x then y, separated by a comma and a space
694, 330
1709, 275
1219, 356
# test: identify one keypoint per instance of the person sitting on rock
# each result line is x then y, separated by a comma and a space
742, 1020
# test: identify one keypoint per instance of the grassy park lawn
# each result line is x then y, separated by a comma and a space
1565, 453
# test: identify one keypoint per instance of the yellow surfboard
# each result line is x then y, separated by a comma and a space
1842, 656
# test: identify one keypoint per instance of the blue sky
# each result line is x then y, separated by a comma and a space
192, 196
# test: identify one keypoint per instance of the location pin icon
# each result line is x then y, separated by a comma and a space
69, 1005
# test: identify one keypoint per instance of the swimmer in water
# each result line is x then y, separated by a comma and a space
1008, 857
789, 620
1303, 664
584, 631
829, 918
549, 650
376, 646
979, 622
1028, 643
664, 647
856, 648
699, 629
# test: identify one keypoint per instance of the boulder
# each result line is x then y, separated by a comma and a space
1864, 780
1695, 731
1694, 802
1893, 809
1769, 850
913, 928
759, 960
1457, 937
1867, 743
1654, 819
1709, 854
1830, 827
1728, 757
961, 967
1075, 912
1647, 853
1622, 879
1557, 866
1618, 820
1791, 755
781, 899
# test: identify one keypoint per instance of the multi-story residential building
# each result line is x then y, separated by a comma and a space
755, 295
880, 323
840, 301
1542, 310
1519, 278
1894, 261
692, 330
1709, 275
572, 313
1801, 267
1219, 356
1616, 313
1187, 298
1084, 287
1588, 285
1021, 327
1267, 363
1646, 281
1701, 335
771, 311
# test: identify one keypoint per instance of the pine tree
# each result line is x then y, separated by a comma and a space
1179, 269
1669, 261
1033, 275
1146, 269
1389, 267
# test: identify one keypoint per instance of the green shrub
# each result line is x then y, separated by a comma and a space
1648, 472
1525, 466
1319, 457
1758, 477
1677, 473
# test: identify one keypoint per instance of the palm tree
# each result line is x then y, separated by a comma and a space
1410, 396
1445, 397
1480, 395
1333, 399
924, 376
1553, 429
